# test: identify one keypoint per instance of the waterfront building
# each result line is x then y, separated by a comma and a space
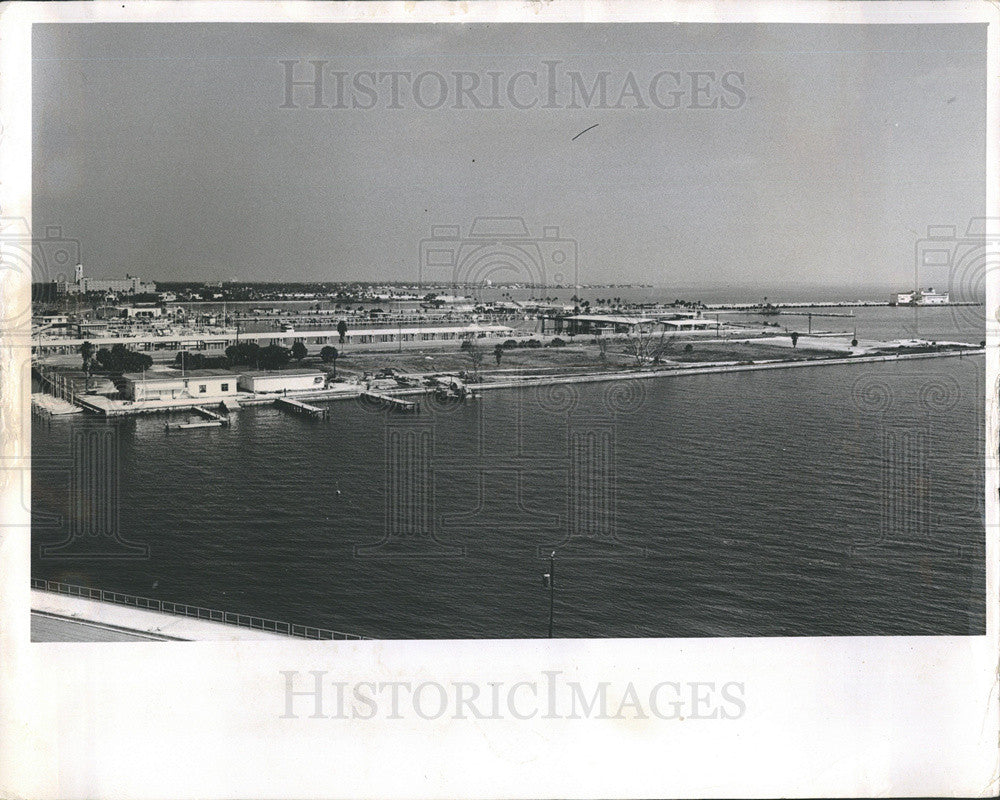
195, 383
928, 297
287, 380
602, 323
920, 297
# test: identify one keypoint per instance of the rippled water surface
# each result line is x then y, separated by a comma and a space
812, 501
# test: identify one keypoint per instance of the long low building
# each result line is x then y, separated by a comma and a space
195, 383
218, 342
287, 380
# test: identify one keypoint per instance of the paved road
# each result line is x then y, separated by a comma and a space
45, 628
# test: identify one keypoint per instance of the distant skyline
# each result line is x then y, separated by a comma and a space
165, 150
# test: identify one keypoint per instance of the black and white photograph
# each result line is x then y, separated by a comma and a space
524, 382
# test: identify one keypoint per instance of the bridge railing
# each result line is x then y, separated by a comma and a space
185, 610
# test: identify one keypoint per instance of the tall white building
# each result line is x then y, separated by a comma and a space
127, 285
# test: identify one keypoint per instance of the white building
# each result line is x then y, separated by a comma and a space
205, 384
127, 285
288, 380
922, 297
143, 312
928, 297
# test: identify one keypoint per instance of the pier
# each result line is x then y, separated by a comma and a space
302, 408
212, 420
210, 415
390, 402
53, 406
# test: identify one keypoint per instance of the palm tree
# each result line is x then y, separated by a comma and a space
87, 351
329, 354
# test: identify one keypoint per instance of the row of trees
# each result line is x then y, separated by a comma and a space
116, 360
250, 354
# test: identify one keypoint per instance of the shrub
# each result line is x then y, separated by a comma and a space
557, 342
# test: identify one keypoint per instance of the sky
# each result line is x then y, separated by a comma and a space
166, 152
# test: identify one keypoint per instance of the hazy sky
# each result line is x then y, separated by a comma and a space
165, 151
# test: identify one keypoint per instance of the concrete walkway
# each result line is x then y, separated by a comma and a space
80, 619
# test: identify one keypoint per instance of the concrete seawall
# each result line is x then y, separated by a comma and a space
75, 613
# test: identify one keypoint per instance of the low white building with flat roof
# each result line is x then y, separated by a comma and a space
286, 380
929, 297
195, 383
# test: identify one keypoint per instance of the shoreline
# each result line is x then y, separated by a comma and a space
341, 393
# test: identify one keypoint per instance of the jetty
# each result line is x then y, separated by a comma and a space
302, 408
391, 402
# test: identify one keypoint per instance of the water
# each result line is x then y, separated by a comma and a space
842, 500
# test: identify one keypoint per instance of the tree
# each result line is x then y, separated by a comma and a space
795, 338
342, 330
645, 345
245, 353
475, 356
87, 352
299, 350
854, 342
602, 350
329, 354
120, 359
498, 353
274, 356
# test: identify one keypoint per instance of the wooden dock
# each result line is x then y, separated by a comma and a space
183, 426
207, 414
53, 406
302, 408
390, 402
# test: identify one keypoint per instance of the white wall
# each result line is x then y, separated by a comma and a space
280, 383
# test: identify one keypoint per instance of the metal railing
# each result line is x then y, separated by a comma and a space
185, 610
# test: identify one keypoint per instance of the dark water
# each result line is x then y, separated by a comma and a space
816, 501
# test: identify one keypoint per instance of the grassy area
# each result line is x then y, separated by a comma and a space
572, 358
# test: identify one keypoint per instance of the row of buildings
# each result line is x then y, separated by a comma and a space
215, 343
